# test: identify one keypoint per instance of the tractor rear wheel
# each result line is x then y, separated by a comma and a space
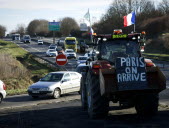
97, 104
83, 94
147, 104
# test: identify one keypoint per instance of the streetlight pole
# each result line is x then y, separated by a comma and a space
53, 34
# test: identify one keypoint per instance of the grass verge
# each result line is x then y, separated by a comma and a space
157, 56
28, 69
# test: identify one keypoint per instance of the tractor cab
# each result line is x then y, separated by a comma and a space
110, 47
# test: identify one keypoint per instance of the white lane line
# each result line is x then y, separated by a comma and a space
32, 48
22, 48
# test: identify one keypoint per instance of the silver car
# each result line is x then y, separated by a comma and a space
70, 53
56, 83
2, 91
51, 52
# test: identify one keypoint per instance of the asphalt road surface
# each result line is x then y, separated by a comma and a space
69, 114
66, 112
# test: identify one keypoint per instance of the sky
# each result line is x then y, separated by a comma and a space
14, 12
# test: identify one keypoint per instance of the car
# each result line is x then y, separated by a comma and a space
2, 91
90, 54
53, 47
82, 68
55, 84
51, 52
61, 41
70, 53
81, 59
40, 42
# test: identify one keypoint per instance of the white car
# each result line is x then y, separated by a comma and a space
56, 83
70, 53
81, 60
2, 91
51, 52
90, 54
40, 42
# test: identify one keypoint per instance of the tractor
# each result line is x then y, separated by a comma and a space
119, 73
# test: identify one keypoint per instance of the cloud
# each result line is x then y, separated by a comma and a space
52, 4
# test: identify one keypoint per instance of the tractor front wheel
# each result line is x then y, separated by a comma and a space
97, 104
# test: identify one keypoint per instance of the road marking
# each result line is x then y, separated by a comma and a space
32, 48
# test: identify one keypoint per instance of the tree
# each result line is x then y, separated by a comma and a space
2, 31
164, 7
38, 27
113, 19
68, 25
21, 29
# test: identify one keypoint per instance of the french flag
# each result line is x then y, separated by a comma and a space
129, 19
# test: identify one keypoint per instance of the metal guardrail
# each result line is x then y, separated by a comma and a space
160, 63
48, 63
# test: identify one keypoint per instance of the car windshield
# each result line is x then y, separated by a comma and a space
52, 77
69, 51
82, 58
51, 47
110, 50
52, 51
26, 37
70, 42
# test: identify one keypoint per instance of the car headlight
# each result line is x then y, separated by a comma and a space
44, 89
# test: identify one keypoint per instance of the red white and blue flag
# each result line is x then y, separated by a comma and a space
129, 19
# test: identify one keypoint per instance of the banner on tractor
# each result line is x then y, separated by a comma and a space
131, 73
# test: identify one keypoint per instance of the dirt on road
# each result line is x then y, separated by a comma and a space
71, 115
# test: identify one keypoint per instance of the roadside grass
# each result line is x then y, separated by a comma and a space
157, 56
16, 91
18, 68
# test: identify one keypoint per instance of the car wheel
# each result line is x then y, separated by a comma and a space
56, 93
1, 98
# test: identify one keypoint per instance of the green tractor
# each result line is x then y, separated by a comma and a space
119, 73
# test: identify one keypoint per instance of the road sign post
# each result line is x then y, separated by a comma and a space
61, 59
54, 26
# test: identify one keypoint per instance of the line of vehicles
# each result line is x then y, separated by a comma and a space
114, 70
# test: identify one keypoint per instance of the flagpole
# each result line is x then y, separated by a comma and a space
90, 27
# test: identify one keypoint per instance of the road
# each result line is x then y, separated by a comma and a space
24, 112
69, 114
40, 50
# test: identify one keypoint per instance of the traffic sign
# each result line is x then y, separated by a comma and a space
54, 26
61, 59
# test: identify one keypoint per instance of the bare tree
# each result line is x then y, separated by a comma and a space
21, 29
67, 25
164, 6
114, 17
2, 31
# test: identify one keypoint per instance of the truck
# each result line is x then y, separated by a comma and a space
26, 39
16, 37
120, 73
70, 43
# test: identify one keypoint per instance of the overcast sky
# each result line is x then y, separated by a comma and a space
13, 12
